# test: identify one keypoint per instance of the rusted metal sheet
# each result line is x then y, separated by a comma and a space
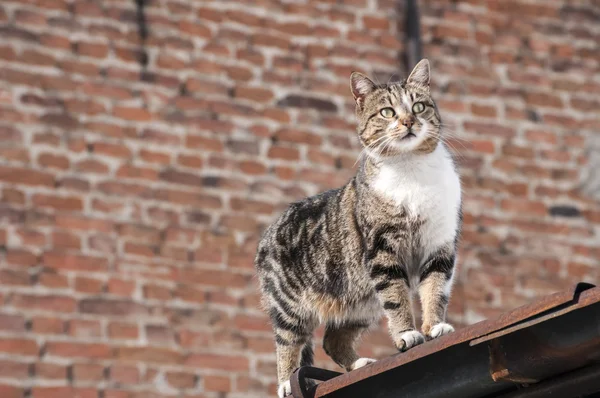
521, 347
579, 383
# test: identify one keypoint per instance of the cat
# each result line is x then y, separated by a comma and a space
347, 256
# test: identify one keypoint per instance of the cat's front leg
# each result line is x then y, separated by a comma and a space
434, 290
391, 284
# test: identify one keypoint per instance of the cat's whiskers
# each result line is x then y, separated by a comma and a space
387, 142
444, 140
364, 151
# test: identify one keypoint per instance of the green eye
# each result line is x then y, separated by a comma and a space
387, 112
418, 107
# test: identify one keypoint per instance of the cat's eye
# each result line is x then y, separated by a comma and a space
418, 107
387, 112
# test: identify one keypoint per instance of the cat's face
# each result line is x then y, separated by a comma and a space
397, 117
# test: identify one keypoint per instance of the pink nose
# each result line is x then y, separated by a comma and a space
408, 121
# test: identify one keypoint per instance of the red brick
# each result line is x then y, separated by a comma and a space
69, 221
53, 161
66, 261
524, 206
61, 203
190, 161
21, 257
195, 29
483, 110
123, 374
252, 168
94, 166
140, 249
78, 350
150, 354
298, 136
154, 156
65, 240
87, 372
489, 129
52, 280
206, 144
11, 391
13, 196
251, 206
189, 293
14, 277
47, 325
18, 346
84, 328
132, 114
120, 287
74, 183
53, 303
518, 151
157, 292
181, 380
127, 171
12, 323
27, 177
80, 68
11, 369
376, 23
279, 152
214, 361
252, 323
113, 150
542, 99
119, 330
50, 371
167, 61
61, 392
260, 344
102, 306
254, 93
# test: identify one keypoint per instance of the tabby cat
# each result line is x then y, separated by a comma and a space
348, 255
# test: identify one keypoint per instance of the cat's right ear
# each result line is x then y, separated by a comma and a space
361, 87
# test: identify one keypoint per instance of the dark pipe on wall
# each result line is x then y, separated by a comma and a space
414, 51
143, 32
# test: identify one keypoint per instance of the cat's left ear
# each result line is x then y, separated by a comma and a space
420, 74
361, 87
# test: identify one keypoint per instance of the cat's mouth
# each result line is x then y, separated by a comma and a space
408, 136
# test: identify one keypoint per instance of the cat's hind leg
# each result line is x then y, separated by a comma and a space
293, 340
307, 356
292, 352
339, 343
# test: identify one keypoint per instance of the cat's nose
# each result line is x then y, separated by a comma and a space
408, 121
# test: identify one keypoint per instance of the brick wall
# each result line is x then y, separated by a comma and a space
140, 161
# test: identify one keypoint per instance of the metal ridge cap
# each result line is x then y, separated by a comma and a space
578, 296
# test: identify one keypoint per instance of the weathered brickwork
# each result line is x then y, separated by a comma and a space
141, 154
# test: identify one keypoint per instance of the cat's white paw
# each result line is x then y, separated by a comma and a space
284, 390
359, 363
440, 329
410, 339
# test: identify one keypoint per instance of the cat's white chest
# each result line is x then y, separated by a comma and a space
428, 188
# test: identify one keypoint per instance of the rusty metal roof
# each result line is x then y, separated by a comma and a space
549, 348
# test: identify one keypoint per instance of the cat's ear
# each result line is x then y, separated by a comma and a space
420, 74
361, 87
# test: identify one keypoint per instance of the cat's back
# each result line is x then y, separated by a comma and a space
299, 230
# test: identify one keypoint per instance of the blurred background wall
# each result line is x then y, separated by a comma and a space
145, 145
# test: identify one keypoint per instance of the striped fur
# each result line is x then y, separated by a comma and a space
349, 255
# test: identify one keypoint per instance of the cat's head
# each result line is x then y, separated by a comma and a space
398, 117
